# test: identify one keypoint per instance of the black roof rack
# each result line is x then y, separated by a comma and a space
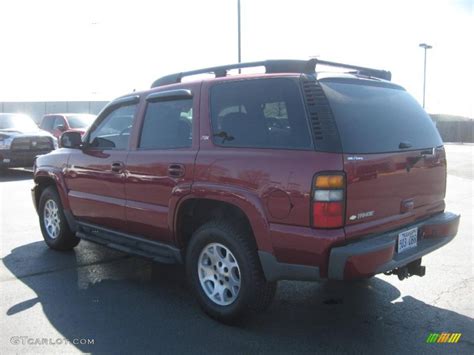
274, 66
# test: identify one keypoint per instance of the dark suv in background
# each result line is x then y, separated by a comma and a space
251, 179
21, 141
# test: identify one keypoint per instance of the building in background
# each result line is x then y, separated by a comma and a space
36, 109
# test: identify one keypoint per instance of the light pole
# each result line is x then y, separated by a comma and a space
239, 54
426, 47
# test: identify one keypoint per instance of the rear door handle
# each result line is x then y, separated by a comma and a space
117, 166
176, 170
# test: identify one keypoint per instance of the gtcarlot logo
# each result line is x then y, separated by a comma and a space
26, 340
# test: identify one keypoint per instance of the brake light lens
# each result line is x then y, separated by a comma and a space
329, 201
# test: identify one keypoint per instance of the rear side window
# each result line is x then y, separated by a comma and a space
376, 119
259, 113
167, 125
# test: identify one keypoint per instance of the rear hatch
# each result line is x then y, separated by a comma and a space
393, 156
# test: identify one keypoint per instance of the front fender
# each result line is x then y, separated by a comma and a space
55, 175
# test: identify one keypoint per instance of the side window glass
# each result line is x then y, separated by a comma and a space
59, 121
276, 117
167, 125
113, 132
260, 114
47, 123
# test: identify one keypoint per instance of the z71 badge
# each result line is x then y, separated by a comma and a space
361, 215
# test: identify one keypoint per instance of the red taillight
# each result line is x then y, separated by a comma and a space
328, 214
328, 201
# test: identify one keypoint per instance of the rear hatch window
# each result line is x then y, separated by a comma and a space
375, 119
392, 156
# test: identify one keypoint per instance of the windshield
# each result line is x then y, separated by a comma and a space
379, 119
80, 121
17, 122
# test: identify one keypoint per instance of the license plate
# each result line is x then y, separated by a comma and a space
407, 240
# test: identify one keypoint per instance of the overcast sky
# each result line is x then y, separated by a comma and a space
100, 49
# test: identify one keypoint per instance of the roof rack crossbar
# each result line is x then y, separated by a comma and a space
272, 66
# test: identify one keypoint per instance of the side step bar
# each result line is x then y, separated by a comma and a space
159, 252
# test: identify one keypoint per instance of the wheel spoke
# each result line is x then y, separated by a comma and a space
51, 220
219, 274
205, 273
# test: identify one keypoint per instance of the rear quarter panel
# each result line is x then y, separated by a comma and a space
274, 186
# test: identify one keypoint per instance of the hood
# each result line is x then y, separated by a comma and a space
30, 133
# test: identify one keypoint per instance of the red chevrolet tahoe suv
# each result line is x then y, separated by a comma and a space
253, 178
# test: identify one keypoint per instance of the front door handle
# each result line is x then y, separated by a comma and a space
117, 166
176, 170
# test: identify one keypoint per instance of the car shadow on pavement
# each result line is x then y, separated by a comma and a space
131, 305
15, 175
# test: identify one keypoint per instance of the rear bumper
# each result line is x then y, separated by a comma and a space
377, 254
316, 257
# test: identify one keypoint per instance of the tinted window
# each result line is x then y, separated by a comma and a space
261, 113
47, 123
59, 121
113, 132
374, 119
167, 124
80, 121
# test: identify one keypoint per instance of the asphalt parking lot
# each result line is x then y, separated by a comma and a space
123, 304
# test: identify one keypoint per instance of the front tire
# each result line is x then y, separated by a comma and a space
53, 223
224, 272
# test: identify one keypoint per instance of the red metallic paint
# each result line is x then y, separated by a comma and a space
147, 214
54, 171
146, 201
304, 245
96, 194
67, 128
381, 182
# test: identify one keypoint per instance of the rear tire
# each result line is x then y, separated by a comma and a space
53, 223
224, 272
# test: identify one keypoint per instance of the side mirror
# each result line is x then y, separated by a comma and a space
71, 140
61, 127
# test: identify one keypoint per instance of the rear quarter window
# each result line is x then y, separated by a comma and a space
376, 119
259, 113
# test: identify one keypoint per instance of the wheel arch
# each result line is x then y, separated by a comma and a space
44, 179
194, 210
